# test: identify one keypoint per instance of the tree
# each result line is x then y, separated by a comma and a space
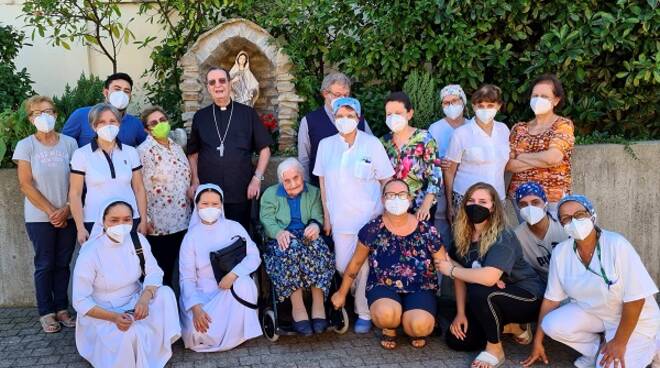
15, 85
96, 23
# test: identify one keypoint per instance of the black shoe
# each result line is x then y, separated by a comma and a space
303, 328
319, 325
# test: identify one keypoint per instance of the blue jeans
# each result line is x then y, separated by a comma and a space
53, 248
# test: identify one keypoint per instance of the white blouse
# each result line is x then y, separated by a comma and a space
569, 278
198, 284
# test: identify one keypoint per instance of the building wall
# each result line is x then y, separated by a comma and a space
625, 192
51, 67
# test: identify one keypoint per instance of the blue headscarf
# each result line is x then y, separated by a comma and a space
579, 198
530, 188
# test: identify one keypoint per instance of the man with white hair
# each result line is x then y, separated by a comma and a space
319, 123
351, 167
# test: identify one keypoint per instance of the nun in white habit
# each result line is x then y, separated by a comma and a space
212, 318
122, 322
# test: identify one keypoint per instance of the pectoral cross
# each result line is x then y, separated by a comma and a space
221, 149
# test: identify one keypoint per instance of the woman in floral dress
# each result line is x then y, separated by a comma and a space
413, 153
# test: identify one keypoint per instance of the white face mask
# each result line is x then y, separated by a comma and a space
453, 111
209, 214
108, 132
119, 232
532, 214
485, 116
44, 122
397, 206
579, 229
118, 99
540, 105
346, 125
396, 122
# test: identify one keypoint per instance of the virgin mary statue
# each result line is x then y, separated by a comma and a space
244, 86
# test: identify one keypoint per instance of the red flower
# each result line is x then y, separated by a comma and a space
269, 121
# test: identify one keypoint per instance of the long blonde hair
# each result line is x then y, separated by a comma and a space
464, 229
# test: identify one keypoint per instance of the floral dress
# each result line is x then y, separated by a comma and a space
304, 264
403, 263
416, 163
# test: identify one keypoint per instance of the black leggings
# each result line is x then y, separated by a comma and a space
488, 310
165, 249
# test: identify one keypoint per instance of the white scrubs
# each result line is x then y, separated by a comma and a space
352, 190
596, 308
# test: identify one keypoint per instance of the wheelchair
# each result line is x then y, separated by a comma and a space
275, 316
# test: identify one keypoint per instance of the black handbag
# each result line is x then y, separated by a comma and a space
225, 259
138, 252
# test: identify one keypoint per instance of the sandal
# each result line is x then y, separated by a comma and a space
526, 337
388, 342
418, 342
487, 358
65, 319
49, 324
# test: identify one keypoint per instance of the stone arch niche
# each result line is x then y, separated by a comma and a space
269, 64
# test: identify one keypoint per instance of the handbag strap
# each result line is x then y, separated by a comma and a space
139, 252
241, 300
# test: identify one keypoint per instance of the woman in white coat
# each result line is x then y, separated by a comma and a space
122, 321
212, 318
610, 292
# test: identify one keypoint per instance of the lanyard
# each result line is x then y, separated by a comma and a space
600, 263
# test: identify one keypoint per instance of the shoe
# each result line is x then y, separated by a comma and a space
319, 325
362, 326
585, 362
303, 328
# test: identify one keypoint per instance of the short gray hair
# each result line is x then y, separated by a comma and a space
333, 78
288, 164
100, 108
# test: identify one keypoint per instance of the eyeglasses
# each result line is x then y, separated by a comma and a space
579, 215
153, 123
47, 111
400, 195
337, 95
212, 82
450, 103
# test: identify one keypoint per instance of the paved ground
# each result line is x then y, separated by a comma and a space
23, 344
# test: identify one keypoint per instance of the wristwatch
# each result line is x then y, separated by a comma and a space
259, 176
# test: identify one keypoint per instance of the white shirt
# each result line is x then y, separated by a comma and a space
569, 277
442, 132
106, 176
537, 251
352, 176
480, 157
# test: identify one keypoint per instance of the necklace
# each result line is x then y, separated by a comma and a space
221, 147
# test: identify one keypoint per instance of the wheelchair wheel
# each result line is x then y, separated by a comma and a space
269, 325
345, 323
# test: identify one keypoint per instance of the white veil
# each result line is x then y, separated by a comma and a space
97, 229
195, 219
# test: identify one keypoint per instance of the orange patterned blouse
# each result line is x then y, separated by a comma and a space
556, 180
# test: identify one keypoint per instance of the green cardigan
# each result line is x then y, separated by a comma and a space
275, 214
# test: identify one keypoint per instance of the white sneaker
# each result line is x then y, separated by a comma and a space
585, 362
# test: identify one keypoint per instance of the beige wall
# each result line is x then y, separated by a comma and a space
625, 192
51, 68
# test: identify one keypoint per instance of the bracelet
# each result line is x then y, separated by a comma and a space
451, 272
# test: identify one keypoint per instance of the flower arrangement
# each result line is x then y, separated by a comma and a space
269, 121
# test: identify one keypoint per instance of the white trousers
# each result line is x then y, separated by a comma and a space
344, 248
571, 325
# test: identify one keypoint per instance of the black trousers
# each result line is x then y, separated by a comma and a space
239, 212
165, 249
488, 310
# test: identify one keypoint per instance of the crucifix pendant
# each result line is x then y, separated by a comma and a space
221, 149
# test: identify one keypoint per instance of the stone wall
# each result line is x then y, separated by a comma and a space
625, 191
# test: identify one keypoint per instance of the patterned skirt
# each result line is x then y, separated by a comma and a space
301, 265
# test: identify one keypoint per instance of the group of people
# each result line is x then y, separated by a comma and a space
389, 215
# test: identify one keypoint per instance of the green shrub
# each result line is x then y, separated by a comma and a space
88, 91
14, 126
15, 85
422, 89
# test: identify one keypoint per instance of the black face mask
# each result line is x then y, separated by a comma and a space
476, 213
